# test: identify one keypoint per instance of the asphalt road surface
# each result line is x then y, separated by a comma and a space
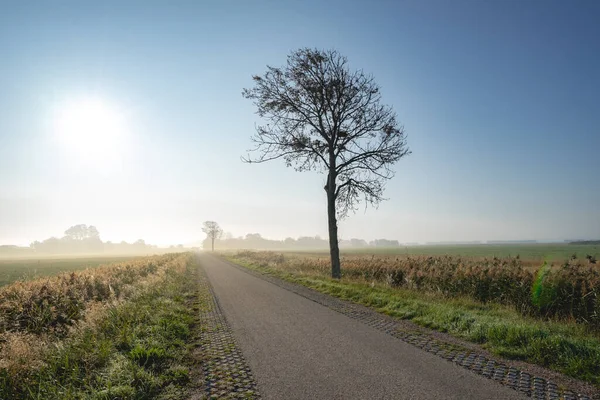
299, 349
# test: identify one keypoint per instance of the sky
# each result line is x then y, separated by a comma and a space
500, 101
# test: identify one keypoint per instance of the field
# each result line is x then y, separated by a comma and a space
531, 254
130, 329
120, 331
519, 308
12, 270
535, 252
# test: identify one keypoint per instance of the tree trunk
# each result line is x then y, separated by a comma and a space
213, 244
334, 249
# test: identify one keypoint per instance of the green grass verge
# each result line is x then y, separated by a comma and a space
139, 350
562, 346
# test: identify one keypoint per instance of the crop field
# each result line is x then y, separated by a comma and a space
12, 270
534, 252
530, 256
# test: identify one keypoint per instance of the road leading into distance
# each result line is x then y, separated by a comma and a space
299, 349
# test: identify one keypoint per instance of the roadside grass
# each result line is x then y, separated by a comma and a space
568, 291
563, 346
139, 348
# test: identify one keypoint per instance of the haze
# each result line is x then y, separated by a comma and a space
499, 101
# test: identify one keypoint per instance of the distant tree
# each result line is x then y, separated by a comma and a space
255, 241
77, 232
323, 117
92, 232
358, 243
14, 250
385, 243
213, 231
50, 245
82, 232
309, 242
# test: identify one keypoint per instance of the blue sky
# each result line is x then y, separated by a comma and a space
500, 101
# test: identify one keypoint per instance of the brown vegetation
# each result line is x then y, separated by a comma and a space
35, 316
567, 291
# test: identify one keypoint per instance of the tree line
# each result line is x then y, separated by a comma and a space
81, 239
257, 242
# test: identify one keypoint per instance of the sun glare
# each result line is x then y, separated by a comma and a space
91, 130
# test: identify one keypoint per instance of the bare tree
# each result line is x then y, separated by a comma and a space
213, 231
321, 116
82, 232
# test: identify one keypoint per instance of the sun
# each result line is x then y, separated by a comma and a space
91, 130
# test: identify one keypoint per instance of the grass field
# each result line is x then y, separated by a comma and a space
12, 270
531, 256
535, 251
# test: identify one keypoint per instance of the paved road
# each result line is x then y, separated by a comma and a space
298, 349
